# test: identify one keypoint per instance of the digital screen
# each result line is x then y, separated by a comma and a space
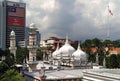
15, 21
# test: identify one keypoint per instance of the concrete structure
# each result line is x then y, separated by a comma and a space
53, 41
32, 43
53, 75
101, 75
68, 74
63, 74
13, 47
38, 36
12, 17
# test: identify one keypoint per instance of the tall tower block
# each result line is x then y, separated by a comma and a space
32, 43
12, 17
13, 47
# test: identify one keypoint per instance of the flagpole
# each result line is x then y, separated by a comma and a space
108, 28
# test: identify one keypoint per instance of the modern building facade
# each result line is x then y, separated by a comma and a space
12, 18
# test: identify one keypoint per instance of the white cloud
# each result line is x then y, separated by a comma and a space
81, 18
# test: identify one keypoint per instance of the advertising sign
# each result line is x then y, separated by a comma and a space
15, 11
15, 21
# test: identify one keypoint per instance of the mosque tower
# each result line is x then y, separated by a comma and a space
13, 47
32, 47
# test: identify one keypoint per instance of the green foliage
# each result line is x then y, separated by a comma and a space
9, 60
39, 55
21, 53
113, 61
11, 75
87, 43
1, 52
80, 79
3, 67
96, 42
118, 60
92, 58
116, 43
108, 65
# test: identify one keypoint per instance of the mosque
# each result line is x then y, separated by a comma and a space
68, 56
61, 64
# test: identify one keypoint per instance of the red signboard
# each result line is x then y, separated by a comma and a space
14, 11
15, 21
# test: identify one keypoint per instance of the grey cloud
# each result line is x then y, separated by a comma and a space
79, 19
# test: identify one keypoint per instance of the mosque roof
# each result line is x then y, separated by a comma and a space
66, 49
12, 33
32, 25
56, 52
79, 54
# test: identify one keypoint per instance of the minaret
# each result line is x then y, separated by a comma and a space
32, 47
13, 47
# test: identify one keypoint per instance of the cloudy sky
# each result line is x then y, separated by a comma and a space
80, 19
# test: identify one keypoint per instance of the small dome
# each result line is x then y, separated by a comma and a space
56, 52
12, 33
66, 49
32, 25
79, 54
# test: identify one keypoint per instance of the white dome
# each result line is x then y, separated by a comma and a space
66, 49
32, 25
56, 52
12, 33
79, 54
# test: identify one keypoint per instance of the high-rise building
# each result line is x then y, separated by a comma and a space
12, 18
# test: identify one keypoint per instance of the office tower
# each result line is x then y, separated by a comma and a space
12, 18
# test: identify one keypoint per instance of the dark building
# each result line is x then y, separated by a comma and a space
14, 19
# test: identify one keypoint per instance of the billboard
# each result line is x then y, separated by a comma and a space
16, 21
15, 11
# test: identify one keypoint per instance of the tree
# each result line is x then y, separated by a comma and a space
1, 52
113, 61
3, 67
9, 60
96, 42
118, 60
80, 79
39, 55
108, 65
21, 53
87, 48
116, 43
11, 75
